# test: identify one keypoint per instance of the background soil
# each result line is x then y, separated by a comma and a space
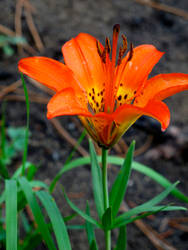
59, 20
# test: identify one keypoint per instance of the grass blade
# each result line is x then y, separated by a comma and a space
135, 165
56, 220
90, 231
27, 126
39, 218
81, 213
147, 206
120, 184
96, 181
122, 239
3, 168
11, 214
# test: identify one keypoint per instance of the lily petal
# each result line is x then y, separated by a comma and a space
163, 86
51, 73
127, 114
81, 56
66, 102
132, 74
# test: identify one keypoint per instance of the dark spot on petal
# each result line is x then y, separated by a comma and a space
97, 104
89, 94
93, 97
119, 98
125, 96
134, 92
121, 84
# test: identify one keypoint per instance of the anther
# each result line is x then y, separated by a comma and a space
103, 57
131, 52
107, 45
116, 28
99, 49
124, 43
120, 56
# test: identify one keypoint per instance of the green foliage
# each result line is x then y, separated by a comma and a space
6, 43
96, 181
119, 186
11, 214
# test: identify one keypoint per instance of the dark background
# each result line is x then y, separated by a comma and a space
57, 21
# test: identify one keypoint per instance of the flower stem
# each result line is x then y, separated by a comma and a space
105, 194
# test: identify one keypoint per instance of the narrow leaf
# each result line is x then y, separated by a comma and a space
120, 184
30, 197
80, 162
27, 125
90, 231
96, 181
80, 212
56, 220
11, 214
122, 239
107, 219
147, 206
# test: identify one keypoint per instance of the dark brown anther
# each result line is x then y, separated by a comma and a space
120, 56
103, 57
116, 28
131, 52
124, 44
99, 49
107, 45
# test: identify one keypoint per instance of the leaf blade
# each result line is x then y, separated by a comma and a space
11, 214
119, 186
96, 181
26, 188
56, 220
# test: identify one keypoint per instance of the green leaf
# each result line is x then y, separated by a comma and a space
27, 126
80, 162
56, 220
107, 219
17, 137
30, 197
11, 214
8, 50
122, 239
147, 206
18, 171
31, 241
120, 184
81, 213
96, 181
40, 184
93, 245
3, 156
90, 231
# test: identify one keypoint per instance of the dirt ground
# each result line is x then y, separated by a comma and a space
59, 20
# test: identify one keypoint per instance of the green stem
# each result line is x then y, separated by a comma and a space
105, 194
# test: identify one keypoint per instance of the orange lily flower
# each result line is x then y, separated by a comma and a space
108, 96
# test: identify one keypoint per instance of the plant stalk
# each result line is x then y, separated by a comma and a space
105, 194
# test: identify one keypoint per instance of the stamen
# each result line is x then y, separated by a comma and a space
131, 52
107, 45
99, 50
103, 57
120, 56
124, 44
116, 30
